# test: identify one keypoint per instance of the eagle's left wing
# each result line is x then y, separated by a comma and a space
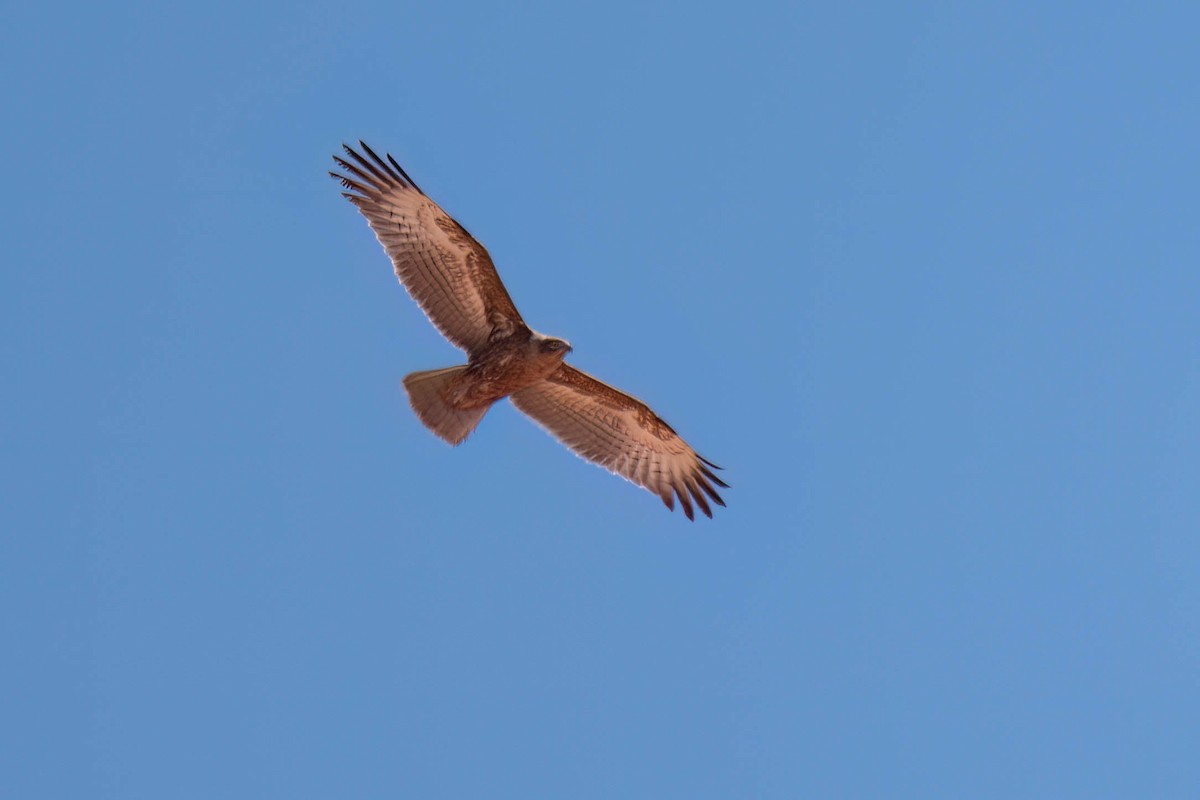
445, 270
621, 434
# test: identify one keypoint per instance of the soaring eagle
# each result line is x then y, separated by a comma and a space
453, 279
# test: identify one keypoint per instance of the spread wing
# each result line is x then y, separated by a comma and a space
621, 434
445, 270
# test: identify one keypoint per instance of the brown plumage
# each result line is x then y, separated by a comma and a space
453, 279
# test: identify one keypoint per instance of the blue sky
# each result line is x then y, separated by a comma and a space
922, 278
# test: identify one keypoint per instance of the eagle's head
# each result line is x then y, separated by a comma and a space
549, 345
548, 349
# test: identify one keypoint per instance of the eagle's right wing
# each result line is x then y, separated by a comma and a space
446, 271
621, 434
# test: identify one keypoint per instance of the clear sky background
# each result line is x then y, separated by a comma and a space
923, 277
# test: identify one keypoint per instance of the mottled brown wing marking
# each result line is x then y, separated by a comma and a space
621, 433
448, 273
650, 421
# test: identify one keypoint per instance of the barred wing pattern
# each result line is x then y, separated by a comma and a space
448, 273
621, 434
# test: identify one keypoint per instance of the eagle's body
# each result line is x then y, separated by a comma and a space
508, 365
452, 278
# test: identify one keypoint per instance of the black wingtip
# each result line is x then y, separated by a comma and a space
710, 491
384, 176
698, 495
382, 164
389, 171
400, 169
686, 503
708, 473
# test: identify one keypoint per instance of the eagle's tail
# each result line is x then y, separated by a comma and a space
427, 394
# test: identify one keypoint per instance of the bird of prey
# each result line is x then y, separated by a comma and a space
453, 279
